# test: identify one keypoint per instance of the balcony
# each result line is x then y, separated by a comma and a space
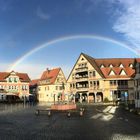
81, 69
85, 78
83, 88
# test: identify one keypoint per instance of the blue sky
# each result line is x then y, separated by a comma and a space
26, 24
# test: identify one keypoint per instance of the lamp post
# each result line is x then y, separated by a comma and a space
63, 87
24, 101
54, 98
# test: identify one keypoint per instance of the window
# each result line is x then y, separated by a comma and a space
10, 79
131, 65
73, 85
91, 84
73, 76
102, 66
94, 82
39, 89
56, 87
94, 74
111, 66
123, 72
121, 66
125, 82
60, 88
112, 72
113, 82
15, 79
79, 65
97, 83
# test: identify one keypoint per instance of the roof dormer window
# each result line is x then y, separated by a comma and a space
111, 66
121, 66
131, 65
102, 66
122, 72
112, 72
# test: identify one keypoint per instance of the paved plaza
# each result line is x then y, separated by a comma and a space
99, 122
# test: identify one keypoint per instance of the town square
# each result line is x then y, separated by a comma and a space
69, 69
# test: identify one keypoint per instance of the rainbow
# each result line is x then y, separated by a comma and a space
46, 44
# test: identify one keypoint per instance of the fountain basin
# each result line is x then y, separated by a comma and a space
63, 106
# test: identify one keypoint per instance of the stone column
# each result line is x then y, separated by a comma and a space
95, 97
74, 98
88, 97
81, 99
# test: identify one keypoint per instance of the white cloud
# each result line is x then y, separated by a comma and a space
4, 66
41, 14
128, 21
35, 70
126, 14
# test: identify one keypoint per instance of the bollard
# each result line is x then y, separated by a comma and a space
37, 112
68, 115
49, 113
81, 113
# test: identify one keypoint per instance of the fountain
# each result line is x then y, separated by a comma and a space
62, 106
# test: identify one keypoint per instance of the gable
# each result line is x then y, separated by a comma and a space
60, 78
84, 63
131, 65
111, 66
121, 66
102, 66
112, 72
122, 72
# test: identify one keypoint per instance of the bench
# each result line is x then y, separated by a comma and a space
38, 111
49, 111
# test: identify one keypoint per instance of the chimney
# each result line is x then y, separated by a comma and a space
47, 69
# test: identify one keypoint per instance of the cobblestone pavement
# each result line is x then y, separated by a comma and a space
99, 122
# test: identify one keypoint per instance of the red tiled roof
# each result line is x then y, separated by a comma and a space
117, 70
22, 76
50, 75
115, 62
34, 82
3, 75
93, 63
138, 60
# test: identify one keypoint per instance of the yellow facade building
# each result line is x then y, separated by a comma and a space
96, 80
51, 85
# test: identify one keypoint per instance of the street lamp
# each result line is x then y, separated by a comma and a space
63, 87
